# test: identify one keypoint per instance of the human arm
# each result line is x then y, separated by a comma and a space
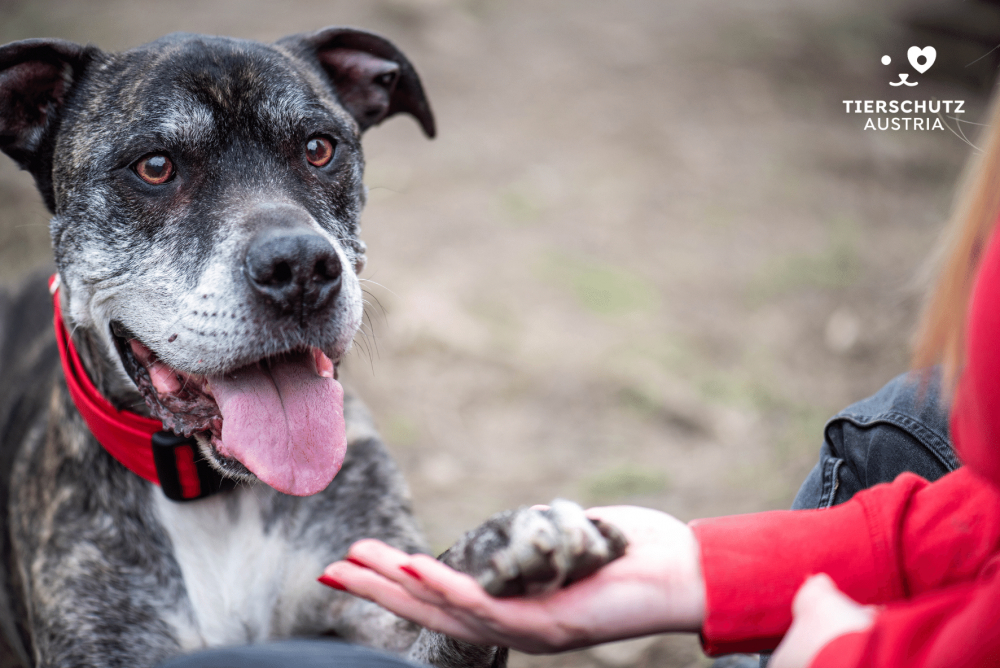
655, 587
888, 543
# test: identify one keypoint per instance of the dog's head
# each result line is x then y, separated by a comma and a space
206, 195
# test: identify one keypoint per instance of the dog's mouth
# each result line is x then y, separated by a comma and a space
280, 418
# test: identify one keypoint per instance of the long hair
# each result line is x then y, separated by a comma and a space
940, 335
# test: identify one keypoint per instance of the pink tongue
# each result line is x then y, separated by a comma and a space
283, 422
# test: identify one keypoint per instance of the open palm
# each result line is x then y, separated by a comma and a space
656, 586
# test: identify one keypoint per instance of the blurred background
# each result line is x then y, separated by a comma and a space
648, 255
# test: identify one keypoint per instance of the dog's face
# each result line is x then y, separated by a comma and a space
207, 194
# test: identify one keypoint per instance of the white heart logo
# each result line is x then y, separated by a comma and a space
928, 52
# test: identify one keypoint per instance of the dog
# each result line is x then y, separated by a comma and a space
179, 459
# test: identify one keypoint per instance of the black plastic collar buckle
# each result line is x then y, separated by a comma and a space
184, 473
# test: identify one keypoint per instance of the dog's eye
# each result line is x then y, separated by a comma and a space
155, 169
319, 151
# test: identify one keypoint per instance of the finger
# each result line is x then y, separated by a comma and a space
468, 610
426, 579
435, 596
814, 592
520, 623
784, 655
392, 564
358, 580
423, 577
368, 584
376, 555
821, 596
338, 571
397, 566
457, 589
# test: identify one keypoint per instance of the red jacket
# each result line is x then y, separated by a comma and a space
928, 552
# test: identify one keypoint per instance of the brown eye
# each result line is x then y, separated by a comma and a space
155, 169
319, 151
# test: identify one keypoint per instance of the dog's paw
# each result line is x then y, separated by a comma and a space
529, 551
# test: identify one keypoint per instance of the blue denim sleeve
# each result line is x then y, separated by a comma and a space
903, 427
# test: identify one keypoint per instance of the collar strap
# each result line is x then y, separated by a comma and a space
138, 443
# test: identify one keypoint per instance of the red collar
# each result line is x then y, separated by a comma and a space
137, 442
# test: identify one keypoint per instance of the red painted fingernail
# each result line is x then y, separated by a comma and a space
330, 582
412, 573
356, 562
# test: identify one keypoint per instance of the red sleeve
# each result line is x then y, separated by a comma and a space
951, 528
954, 626
888, 543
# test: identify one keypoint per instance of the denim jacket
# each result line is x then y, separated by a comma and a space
903, 427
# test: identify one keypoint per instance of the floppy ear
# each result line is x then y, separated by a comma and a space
35, 78
372, 78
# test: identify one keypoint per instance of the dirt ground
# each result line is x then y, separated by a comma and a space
647, 257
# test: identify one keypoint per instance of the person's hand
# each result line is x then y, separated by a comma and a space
655, 587
820, 613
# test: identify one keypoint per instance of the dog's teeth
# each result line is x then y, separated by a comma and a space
323, 364
164, 378
141, 352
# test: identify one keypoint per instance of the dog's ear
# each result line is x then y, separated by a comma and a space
372, 78
36, 75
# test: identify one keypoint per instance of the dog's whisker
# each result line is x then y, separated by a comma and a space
366, 331
368, 328
376, 283
374, 344
377, 303
363, 345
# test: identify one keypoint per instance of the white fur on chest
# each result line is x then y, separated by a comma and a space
243, 584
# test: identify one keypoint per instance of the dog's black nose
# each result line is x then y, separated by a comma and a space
296, 270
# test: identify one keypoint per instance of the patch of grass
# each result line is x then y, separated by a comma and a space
401, 430
837, 265
518, 205
624, 482
736, 389
640, 400
671, 352
600, 288
647, 405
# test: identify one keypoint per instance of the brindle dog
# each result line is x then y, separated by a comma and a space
206, 195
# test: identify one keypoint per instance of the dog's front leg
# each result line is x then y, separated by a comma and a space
439, 650
370, 482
